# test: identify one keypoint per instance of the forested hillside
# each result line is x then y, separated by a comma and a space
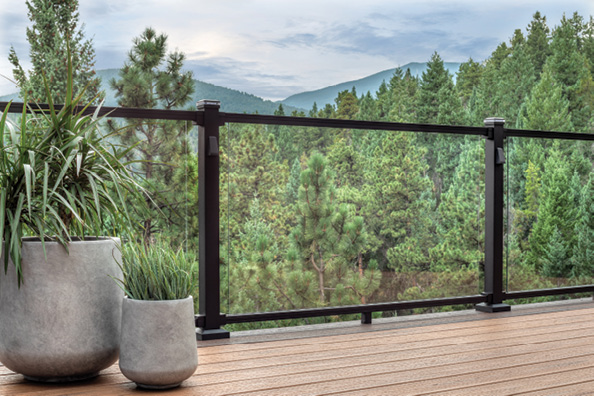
316, 216
306, 100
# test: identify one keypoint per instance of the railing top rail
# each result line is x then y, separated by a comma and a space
526, 133
117, 112
198, 116
350, 124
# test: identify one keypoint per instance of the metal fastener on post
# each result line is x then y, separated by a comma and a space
494, 194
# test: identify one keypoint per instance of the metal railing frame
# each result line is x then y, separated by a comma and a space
210, 320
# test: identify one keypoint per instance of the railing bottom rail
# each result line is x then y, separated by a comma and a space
366, 310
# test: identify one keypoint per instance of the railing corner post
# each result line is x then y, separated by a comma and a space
208, 193
494, 205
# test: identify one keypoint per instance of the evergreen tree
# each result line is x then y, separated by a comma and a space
347, 105
467, 79
153, 79
537, 42
398, 203
383, 101
460, 227
254, 172
569, 67
555, 222
582, 261
368, 108
547, 108
403, 91
54, 37
486, 100
516, 77
329, 240
432, 81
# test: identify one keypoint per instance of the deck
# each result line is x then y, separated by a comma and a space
541, 349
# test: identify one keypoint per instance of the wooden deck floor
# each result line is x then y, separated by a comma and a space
542, 352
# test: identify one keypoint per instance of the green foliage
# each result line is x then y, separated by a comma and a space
60, 175
156, 272
468, 78
151, 78
55, 39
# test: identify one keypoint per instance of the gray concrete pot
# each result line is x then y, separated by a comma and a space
158, 342
63, 323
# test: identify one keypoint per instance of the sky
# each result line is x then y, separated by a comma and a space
276, 48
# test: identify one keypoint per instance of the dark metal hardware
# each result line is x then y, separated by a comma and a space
499, 156
213, 147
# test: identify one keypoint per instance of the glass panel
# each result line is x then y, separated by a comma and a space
326, 217
549, 241
447, 222
166, 166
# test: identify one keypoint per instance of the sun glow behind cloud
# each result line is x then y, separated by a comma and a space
276, 48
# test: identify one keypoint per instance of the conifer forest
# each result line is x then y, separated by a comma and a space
315, 217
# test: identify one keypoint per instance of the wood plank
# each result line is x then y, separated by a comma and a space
549, 353
580, 388
487, 324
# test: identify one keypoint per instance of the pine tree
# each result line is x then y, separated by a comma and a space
150, 79
329, 240
569, 67
516, 78
403, 91
556, 217
398, 203
347, 105
547, 108
432, 81
582, 260
55, 36
467, 79
255, 172
460, 228
537, 42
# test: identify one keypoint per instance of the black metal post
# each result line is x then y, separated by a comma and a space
494, 192
208, 180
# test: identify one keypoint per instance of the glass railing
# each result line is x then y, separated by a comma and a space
549, 214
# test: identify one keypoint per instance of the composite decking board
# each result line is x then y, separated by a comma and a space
534, 320
420, 347
579, 388
499, 355
393, 336
407, 362
523, 384
302, 384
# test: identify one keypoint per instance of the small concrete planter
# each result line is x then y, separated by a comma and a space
63, 323
158, 342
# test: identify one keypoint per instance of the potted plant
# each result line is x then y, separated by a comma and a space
61, 180
158, 338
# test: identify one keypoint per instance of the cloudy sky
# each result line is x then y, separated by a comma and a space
275, 48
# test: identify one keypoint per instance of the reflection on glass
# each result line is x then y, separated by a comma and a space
550, 218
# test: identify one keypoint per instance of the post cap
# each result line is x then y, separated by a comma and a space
208, 104
493, 121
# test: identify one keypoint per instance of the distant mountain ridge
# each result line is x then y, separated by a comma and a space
232, 101
321, 97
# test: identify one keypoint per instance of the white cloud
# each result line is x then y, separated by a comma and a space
275, 48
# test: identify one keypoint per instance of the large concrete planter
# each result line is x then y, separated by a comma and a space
158, 343
63, 323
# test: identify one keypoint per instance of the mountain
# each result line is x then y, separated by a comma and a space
232, 101
305, 100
